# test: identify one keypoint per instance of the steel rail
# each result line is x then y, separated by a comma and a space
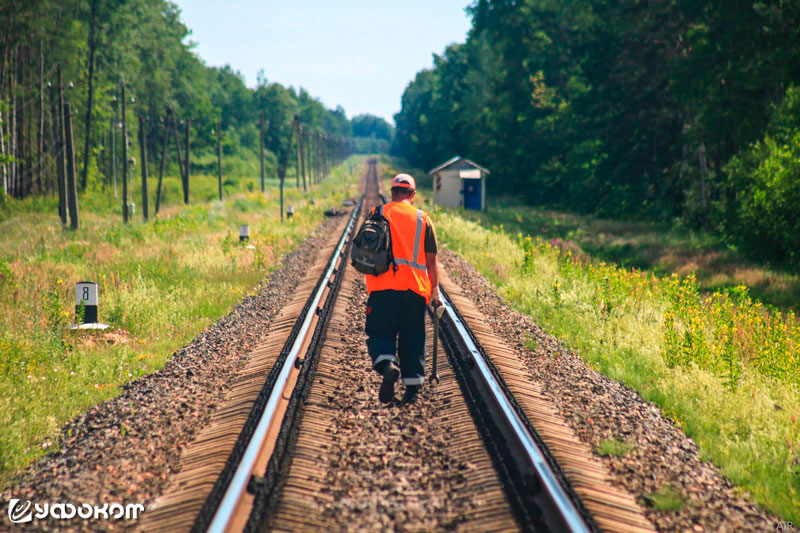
238, 484
569, 513
265, 489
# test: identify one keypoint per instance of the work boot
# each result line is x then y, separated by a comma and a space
411, 394
390, 374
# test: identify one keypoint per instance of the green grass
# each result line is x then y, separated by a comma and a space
666, 498
723, 367
614, 447
160, 284
656, 247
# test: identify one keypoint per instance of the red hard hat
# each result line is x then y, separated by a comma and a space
404, 181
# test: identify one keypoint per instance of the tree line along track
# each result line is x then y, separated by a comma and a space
335, 458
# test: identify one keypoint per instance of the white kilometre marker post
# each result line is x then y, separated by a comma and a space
244, 236
86, 293
290, 211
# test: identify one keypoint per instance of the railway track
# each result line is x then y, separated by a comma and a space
310, 447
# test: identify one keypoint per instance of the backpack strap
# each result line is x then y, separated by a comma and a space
379, 209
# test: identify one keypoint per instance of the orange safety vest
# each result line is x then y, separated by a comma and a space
407, 224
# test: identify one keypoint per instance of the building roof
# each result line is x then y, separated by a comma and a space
455, 160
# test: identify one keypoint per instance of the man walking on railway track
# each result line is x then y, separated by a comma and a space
395, 323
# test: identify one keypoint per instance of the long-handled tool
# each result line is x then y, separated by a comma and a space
437, 314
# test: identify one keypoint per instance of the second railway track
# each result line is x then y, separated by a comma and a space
480, 450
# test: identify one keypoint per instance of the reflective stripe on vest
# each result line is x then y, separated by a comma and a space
417, 240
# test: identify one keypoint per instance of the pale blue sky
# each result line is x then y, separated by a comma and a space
357, 54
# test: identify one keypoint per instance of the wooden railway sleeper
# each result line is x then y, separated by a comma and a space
207, 516
264, 502
535, 508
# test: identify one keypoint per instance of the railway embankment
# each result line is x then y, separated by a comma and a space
721, 367
628, 456
162, 288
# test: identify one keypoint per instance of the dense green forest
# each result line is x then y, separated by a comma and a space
675, 109
100, 43
372, 134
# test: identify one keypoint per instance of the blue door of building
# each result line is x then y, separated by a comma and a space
472, 194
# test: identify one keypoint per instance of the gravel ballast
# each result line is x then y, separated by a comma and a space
598, 408
379, 467
124, 450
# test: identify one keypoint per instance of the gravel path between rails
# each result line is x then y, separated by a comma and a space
381, 473
124, 450
598, 408
417, 467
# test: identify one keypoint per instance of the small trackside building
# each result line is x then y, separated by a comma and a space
460, 182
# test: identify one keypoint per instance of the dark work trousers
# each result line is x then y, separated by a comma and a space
395, 330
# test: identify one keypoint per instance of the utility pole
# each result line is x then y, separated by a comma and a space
72, 186
307, 150
186, 166
22, 156
297, 131
115, 125
61, 157
261, 137
219, 157
326, 153
325, 161
322, 159
281, 176
283, 165
321, 148
167, 132
124, 158
40, 147
311, 159
301, 140
12, 122
143, 151
317, 157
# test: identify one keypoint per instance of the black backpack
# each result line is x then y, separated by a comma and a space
372, 245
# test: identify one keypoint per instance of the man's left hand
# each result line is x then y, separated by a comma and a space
436, 301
